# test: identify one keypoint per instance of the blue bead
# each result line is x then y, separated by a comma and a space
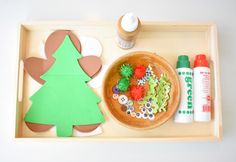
115, 90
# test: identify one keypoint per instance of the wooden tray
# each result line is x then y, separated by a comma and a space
166, 39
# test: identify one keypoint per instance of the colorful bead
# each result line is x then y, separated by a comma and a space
115, 90
133, 114
154, 101
148, 105
123, 99
150, 110
143, 109
115, 96
144, 115
128, 112
130, 103
123, 108
130, 108
151, 117
141, 82
138, 115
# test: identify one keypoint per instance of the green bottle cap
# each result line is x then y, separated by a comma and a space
183, 62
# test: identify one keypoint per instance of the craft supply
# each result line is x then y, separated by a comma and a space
115, 90
133, 114
156, 97
145, 115
128, 27
94, 132
138, 115
148, 105
38, 66
65, 94
128, 112
137, 92
130, 103
41, 50
131, 108
202, 86
86, 128
139, 71
123, 99
151, 116
184, 113
115, 96
126, 70
96, 81
150, 110
38, 127
90, 46
123, 108
91, 65
54, 40
162, 97
158, 94
147, 75
123, 84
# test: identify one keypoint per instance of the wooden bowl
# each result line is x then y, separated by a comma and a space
159, 65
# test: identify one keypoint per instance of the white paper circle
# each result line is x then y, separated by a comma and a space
90, 46
42, 50
96, 82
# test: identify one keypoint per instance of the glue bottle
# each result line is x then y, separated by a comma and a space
184, 113
202, 96
128, 27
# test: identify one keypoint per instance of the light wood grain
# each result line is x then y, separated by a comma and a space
168, 39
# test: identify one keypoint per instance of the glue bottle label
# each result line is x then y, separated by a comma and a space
184, 113
125, 44
202, 97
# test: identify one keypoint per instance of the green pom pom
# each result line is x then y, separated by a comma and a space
126, 70
123, 84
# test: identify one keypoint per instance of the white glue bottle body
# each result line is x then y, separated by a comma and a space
184, 113
202, 89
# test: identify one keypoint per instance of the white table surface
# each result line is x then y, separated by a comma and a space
221, 12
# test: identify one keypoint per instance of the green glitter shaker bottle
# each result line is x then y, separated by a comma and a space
184, 113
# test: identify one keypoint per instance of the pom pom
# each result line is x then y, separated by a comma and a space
123, 84
139, 71
137, 92
126, 70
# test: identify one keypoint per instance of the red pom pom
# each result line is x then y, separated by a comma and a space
139, 71
137, 92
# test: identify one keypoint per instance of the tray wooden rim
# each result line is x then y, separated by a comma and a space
218, 132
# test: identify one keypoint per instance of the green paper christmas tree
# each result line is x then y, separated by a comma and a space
65, 99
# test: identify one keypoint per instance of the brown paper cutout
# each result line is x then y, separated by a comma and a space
91, 65
37, 67
86, 128
56, 38
38, 127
